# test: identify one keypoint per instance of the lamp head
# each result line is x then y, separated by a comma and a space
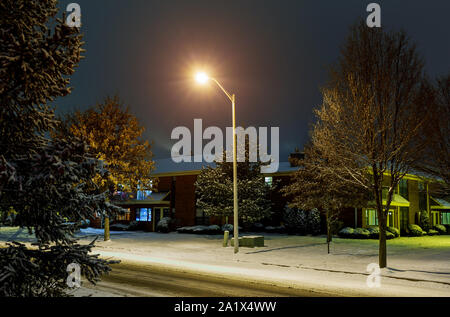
202, 78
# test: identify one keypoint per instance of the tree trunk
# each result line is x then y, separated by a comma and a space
378, 192
329, 236
382, 253
106, 228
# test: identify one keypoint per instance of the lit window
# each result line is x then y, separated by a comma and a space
372, 217
445, 218
144, 214
124, 217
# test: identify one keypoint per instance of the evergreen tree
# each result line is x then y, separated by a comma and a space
214, 190
42, 181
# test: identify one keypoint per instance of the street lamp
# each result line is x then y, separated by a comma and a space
203, 78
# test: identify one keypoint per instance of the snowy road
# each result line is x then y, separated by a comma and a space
144, 280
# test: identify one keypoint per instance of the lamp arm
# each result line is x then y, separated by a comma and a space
223, 89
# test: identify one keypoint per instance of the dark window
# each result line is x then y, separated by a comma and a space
403, 186
404, 218
422, 197
201, 218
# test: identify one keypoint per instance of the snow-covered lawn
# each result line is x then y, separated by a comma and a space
22, 235
416, 266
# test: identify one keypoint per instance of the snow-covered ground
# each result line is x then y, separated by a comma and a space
416, 266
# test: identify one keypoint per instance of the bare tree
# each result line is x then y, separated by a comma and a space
313, 186
436, 159
372, 113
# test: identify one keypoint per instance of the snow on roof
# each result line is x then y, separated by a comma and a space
168, 166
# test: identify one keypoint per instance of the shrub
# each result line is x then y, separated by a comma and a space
118, 227
361, 233
295, 220
214, 229
313, 222
440, 229
415, 231
425, 221
432, 232
336, 226
346, 232
374, 232
394, 231
228, 227
389, 235
163, 225
133, 225
271, 229
448, 228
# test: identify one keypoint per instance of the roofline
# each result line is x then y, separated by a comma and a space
197, 172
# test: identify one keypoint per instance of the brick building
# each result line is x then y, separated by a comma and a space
175, 196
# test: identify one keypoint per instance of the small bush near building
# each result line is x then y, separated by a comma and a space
425, 221
133, 225
366, 233
374, 232
301, 221
394, 231
346, 232
228, 227
271, 229
440, 228
389, 235
163, 225
448, 228
361, 233
213, 229
118, 227
432, 232
295, 220
415, 231
313, 222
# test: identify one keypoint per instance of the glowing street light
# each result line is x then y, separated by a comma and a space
203, 78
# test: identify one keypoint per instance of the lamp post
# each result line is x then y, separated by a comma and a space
203, 78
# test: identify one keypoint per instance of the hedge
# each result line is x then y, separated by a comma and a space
415, 231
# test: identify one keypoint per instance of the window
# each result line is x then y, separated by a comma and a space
124, 217
268, 180
166, 212
403, 187
421, 186
371, 217
200, 217
144, 214
404, 217
445, 218
143, 194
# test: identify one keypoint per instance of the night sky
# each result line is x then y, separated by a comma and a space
273, 54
